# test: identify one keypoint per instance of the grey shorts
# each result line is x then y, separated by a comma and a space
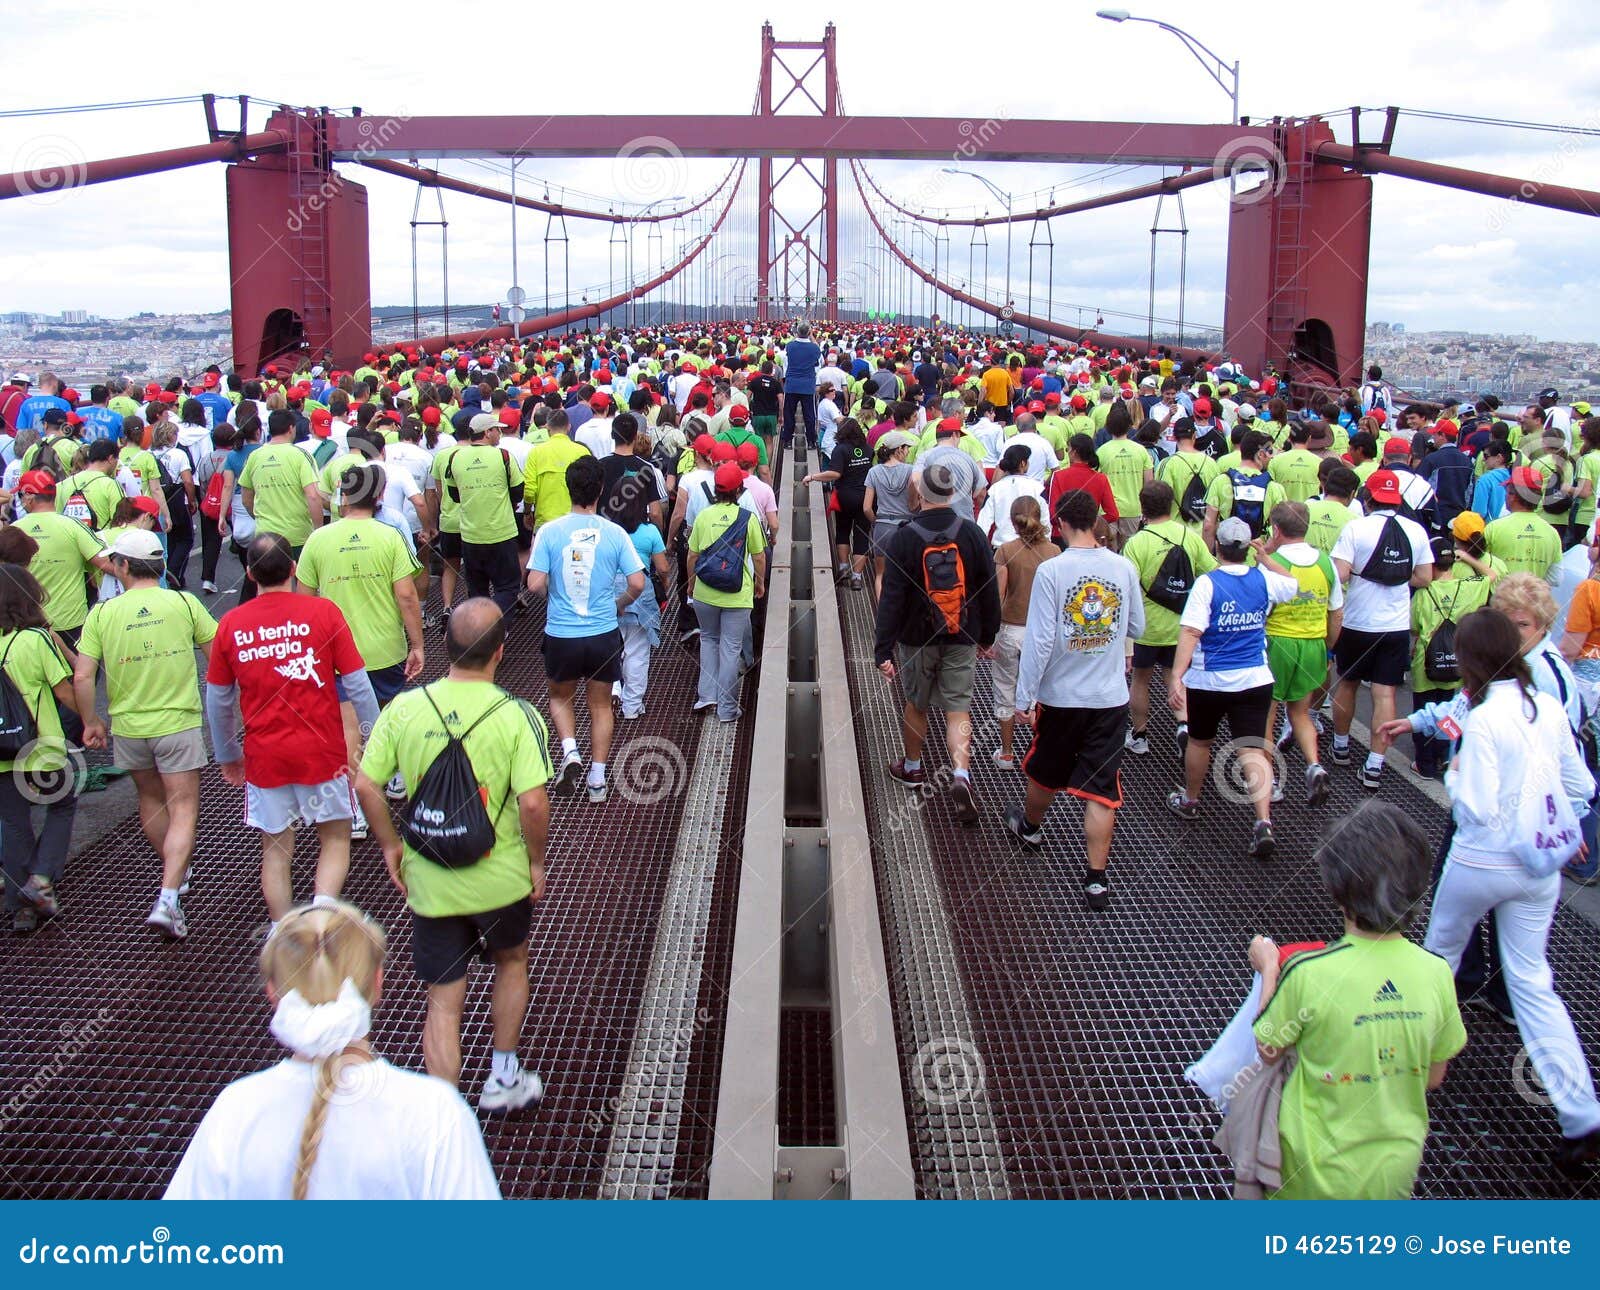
938, 676
275, 810
883, 532
168, 754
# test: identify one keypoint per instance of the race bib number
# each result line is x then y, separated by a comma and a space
577, 567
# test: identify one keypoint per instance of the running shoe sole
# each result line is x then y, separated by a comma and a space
505, 1098
1262, 845
568, 776
966, 803
1317, 791
1016, 823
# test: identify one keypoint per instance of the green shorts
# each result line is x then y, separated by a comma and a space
938, 676
766, 427
1299, 665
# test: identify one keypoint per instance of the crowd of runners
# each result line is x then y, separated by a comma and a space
1081, 536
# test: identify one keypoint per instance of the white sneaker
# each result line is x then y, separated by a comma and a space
1138, 745
395, 789
209, 588
167, 918
358, 827
183, 887
599, 792
1277, 790
569, 775
526, 1090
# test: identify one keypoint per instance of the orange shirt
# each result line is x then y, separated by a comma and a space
1584, 616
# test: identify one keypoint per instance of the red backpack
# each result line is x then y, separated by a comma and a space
211, 503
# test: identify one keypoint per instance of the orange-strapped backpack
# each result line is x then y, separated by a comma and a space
944, 578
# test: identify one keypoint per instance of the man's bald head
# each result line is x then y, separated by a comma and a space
477, 631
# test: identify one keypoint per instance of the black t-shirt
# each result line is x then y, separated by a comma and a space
852, 461
628, 506
763, 391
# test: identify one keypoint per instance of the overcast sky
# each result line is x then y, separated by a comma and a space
1439, 258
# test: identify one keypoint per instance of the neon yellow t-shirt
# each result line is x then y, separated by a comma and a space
548, 463
36, 667
356, 563
65, 551
482, 478
1124, 464
510, 751
709, 525
146, 639
1148, 549
279, 473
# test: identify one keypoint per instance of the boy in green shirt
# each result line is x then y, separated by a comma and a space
1522, 538
280, 488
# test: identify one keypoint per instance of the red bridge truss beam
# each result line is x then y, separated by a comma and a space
433, 179
1077, 335
946, 139
1576, 201
576, 313
53, 179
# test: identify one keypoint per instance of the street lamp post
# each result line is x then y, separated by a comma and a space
1215, 67
1006, 198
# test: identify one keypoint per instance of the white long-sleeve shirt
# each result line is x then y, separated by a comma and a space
1084, 607
1502, 758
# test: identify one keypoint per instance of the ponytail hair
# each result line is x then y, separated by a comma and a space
1081, 446
314, 950
1028, 520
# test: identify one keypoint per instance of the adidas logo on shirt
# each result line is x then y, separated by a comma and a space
143, 613
1388, 994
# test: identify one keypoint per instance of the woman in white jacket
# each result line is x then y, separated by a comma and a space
1514, 740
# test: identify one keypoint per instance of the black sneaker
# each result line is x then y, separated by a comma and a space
1183, 742
1575, 1155
1371, 780
1339, 756
1261, 841
1481, 1002
1096, 890
963, 799
1317, 786
1016, 820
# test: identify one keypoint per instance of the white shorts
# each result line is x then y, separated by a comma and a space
1003, 671
275, 810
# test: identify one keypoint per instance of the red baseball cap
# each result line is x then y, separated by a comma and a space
1202, 407
748, 454
148, 505
1523, 477
1079, 403
430, 415
1379, 415
1397, 446
210, 380
738, 414
705, 445
1384, 486
1037, 383
1126, 391
722, 451
73, 419
950, 423
1052, 399
728, 477
168, 396
39, 483
152, 389
1036, 406
599, 400
510, 417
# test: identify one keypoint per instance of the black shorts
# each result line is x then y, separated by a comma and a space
1378, 657
1246, 711
442, 947
524, 536
449, 545
1079, 751
1153, 655
581, 658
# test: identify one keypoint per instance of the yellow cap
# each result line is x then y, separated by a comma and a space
1465, 525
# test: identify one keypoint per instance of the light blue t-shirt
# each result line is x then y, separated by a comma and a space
647, 542
35, 406
100, 423
583, 555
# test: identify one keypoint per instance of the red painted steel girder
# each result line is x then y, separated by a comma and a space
954, 140
433, 179
52, 179
1576, 201
1171, 184
562, 317
1078, 335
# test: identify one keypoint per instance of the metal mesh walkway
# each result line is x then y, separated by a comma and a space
113, 1043
1082, 1024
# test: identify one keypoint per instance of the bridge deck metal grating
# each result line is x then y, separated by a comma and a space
1085, 1022
115, 1043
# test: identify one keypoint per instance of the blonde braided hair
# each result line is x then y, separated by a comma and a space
314, 950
